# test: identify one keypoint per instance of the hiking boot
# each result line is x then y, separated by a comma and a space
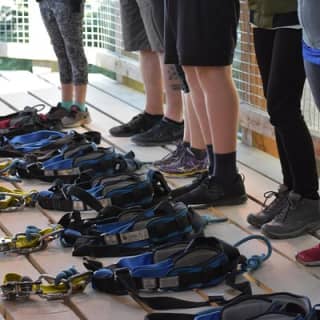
164, 132
172, 156
212, 193
57, 113
76, 118
269, 211
138, 124
186, 166
300, 216
189, 187
309, 257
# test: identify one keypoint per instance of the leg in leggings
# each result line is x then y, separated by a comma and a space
284, 91
313, 75
264, 43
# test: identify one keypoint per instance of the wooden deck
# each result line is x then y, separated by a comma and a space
110, 104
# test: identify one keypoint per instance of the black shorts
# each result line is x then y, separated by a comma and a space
201, 32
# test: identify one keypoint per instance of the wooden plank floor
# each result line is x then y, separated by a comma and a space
111, 104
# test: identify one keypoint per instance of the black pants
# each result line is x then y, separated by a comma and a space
280, 61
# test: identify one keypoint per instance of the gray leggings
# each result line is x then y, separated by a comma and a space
64, 27
313, 75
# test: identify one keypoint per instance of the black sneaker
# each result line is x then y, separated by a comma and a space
189, 187
57, 113
212, 193
138, 124
164, 132
269, 211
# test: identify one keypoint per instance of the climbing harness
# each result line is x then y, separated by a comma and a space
276, 306
43, 144
85, 158
32, 240
199, 263
17, 199
25, 121
62, 286
134, 232
124, 191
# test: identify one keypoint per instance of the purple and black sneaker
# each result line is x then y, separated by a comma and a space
185, 166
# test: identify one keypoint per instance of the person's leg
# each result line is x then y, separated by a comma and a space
284, 105
152, 82
313, 75
170, 129
70, 21
264, 46
213, 58
199, 108
65, 70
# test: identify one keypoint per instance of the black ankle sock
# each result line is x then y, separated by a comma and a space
155, 116
173, 121
199, 153
186, 144
225, 168
211, 158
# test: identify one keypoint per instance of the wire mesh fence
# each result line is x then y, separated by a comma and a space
102, 29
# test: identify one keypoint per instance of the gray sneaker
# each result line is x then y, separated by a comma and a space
76, 118
300, 216
269, 210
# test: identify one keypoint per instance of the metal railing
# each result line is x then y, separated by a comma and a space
20, 24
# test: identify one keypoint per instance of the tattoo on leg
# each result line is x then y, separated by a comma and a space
173, 76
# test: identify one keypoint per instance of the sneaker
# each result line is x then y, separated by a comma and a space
172, 156
269, 211
164, 132
138, 124
300, 216
309, 257
76, 118
186, 166
189, 187
57, 113
212, 193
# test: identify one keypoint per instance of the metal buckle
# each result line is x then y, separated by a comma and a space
18, 289
5, 244
8, 245
169, 282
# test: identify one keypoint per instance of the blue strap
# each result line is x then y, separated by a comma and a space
255, 262
31, 231
209, 219
65, 274
35, 140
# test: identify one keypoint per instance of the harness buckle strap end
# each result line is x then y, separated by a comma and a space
134, 236
169, 282
111, 240
149, 283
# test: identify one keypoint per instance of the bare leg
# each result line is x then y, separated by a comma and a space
151, 74
187, 133
172, 87
222, 105
67, 91
196, 137
198, 105
80, 93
